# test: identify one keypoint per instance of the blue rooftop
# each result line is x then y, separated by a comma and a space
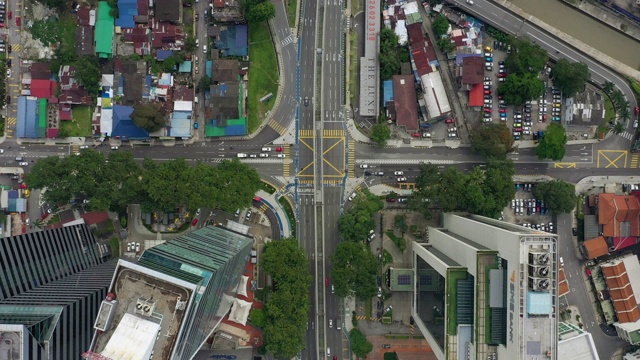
123, 126
163, 54
27, 117
127, 9
388, 91
233, 41
539, 303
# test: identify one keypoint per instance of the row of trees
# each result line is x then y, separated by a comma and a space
391, 55
118, 180
356, 222
619, 102
484, 190
284, 317
257, 11
558, 196
524, 64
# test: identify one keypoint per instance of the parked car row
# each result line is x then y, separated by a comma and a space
541, 227
133, 247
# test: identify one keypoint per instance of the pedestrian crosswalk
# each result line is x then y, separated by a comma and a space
305, 134
626, 135
286, 163
352, 159
286, 41
305, 182
75, 149
634, 160
328, 133
11, 121
16, 47
263, 208
332, 182
277, 127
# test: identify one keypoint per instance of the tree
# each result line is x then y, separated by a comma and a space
169, 64
357, 221
520, 88
389, 59
618, 128
559, 196
359, 343
239, 181
440, 25
261, 12
148, 116
526, 57
354, 270
53, 4
608, 87
445, 44
88, 73
288, 306
551, 145
570, 78
204, 83
380, 133
190, 43
492, 141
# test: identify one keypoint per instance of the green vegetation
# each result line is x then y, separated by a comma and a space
47, 31
559, 196
481, 191
526, 57
390, 356
263, 76
380, 133
387, 258
354, 270
440, 25
292, 10
497, 34
492, 141
453, 275
359, 344
148, 116
390, 58
65, 53
356, 222
80, 124
399, 241
260, 12
114, 182
267, 187
114, 244
520, 88
551, 145
290, 214
286, 311
353, 62
569, 77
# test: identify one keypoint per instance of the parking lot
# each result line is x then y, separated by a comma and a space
528, 121
527, 211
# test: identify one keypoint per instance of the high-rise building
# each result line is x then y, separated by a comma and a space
168, 303
487, 289
51, 286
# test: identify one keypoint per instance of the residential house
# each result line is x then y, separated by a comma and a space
168, 10
229, 11
124, 127
405, 102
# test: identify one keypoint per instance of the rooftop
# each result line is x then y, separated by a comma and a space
623, 281
406, 102
619, 215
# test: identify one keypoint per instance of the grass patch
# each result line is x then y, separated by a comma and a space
367, 306
54, 219
356, 6
401, 337
263, 73
609, 112
353, 64
386, 257
400, 242
292, 218
292, 10
114, 244
390, 356
267, 187
453, 276
80, 124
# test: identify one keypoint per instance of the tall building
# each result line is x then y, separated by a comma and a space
486, 287
172, 300
51, 286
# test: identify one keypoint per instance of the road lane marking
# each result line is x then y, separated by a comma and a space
611, 160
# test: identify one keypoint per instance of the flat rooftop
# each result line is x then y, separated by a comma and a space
130, 285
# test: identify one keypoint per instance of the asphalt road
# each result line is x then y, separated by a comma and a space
495, 15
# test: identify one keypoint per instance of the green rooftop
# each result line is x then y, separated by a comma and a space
104, 31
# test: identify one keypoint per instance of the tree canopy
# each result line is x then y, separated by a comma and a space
520, 88
359, 343
389, 59
88, 73
261, 12
526, 57
440, 25
354, 270
551, 145
148, 116
570, 78
114, 182
287, 309
492, 141
482, 191
380, 133
357, 221
559, 196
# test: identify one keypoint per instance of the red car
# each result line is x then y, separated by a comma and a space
588, 271
18, 21
326, 281
391, 200
278, 149
487, 110
500, 97
501, 75
194, 222
637, 110
449, 121
9, 15
503, 110
487, 92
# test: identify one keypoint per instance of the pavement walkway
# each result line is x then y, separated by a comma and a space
271, 200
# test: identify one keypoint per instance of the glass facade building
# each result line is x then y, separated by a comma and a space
51, 286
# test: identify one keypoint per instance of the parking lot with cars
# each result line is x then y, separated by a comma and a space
528, 211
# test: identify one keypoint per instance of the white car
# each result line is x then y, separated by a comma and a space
513, 203
114, 148
398, 173
364, 166
137, 247
488, 83
452, 135
23, 163
330, 324
352, 196
264, 155
402, 179
281, 155
198, 212
84, 147
266, 149
253, 155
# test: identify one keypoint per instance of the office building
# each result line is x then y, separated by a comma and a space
487, 289
168, 303
51, 285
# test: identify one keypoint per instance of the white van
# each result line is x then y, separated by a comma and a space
241, 155
328, 351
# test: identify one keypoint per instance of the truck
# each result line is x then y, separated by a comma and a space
242, 155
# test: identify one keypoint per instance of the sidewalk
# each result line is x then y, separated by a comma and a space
271, 200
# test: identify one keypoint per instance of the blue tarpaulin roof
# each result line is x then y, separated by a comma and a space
163, 54
123, 126
209, 68
27, 118
185, 67
127, 9
233, 40
388, 91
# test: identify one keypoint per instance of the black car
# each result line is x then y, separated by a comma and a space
367, 173
9, 62
306, 101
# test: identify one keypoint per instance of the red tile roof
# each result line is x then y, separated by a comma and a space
476, 98
613, 210
218, 3
406, 103
621, 293
596, 247
472, 70
42, 89
91, 218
